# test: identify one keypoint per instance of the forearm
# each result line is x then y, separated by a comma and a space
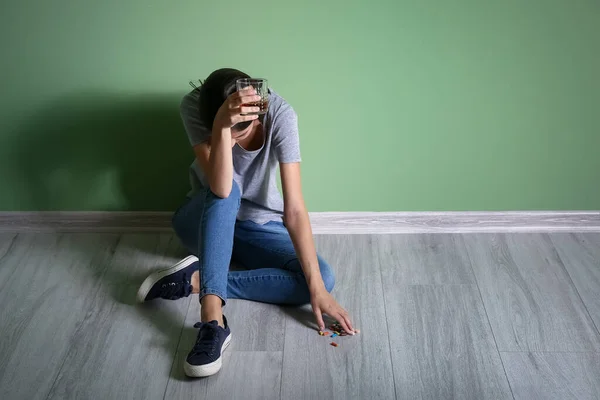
221, 162
298, 225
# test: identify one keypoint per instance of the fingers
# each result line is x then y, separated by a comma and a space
319, 318
236, 115
242, 118
239, 101
247, 91
343, 322
245, 110
348, 323
242, 96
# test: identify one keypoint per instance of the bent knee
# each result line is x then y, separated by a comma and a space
327, 275
233, 197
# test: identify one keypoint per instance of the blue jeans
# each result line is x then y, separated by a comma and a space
208, 228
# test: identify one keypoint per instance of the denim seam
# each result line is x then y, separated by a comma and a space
201, 228
204, 292
256, 278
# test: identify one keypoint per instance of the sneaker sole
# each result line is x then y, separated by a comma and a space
200, 371
157, 276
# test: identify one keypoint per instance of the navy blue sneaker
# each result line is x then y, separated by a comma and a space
172, 283
206, 359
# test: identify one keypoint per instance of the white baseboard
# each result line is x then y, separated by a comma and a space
322, 222
456, 222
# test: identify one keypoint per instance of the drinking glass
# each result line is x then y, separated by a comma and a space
262, 90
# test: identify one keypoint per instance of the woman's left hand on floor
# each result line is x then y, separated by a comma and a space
323, 303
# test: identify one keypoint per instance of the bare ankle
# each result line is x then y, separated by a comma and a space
211, 309
195, 282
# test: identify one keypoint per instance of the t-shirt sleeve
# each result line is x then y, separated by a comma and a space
196, 129
286, 140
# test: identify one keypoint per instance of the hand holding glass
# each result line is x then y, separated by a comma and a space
261, 88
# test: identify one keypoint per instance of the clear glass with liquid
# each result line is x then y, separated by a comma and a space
262, 89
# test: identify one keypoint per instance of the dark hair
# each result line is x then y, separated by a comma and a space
214, 91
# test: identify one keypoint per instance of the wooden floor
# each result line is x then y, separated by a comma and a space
442, 316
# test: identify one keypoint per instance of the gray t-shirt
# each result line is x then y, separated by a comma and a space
253, 171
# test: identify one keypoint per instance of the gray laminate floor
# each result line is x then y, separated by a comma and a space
442, 316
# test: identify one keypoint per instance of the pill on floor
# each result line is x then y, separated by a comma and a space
334, 344
321, 333
334, 335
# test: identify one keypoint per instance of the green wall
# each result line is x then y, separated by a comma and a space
403, 105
